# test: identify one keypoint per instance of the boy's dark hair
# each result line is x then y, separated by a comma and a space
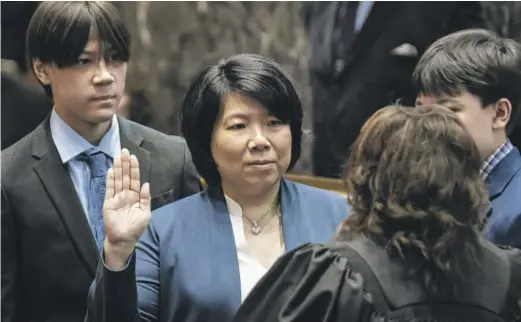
474, 60
59, 31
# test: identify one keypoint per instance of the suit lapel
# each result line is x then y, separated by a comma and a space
292, 219
132, 140
223, 249
58, 184
504, 171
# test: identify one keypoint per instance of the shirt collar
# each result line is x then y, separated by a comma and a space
234, 208
70, 143
495, 158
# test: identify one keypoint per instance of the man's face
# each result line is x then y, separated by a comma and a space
88, 92
479, 120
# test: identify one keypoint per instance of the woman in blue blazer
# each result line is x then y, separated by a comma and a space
198, 258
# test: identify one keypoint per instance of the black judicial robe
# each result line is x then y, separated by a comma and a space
318, 283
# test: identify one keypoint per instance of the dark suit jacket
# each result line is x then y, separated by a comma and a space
371, 74
186, 263
49, 255
504, 183
23, 109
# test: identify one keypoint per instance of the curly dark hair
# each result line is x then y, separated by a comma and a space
414, 186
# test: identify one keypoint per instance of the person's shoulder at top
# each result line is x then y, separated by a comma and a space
151, 135
19, 154
189, 206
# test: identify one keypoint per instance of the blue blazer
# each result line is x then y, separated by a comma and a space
186, 264
504, 183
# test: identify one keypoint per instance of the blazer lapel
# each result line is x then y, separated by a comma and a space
501, 175
56, 180
132, 140
222, 249
292, 223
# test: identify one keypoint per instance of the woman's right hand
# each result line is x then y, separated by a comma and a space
126, 210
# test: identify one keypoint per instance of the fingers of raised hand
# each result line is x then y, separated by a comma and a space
109, 193
125, 169
144, 197
118, 174
135, 182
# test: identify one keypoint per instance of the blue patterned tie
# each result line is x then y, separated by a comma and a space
97, 162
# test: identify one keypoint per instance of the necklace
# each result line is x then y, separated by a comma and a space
255, 228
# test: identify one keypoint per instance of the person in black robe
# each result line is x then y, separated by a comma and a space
411, 250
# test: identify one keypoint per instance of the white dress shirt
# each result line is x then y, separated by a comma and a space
250, 269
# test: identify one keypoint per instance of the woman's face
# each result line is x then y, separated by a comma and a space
252, 148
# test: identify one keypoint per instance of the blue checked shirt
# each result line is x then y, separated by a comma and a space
493, 160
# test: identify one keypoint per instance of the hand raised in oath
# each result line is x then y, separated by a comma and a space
126, 210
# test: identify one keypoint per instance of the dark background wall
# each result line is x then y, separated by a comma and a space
173, 41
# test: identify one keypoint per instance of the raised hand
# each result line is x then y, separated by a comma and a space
126, 210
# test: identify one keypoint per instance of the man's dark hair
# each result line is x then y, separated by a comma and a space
253, 76
474, 60
59, 31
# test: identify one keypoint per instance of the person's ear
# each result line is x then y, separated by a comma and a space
502, 113
42, 71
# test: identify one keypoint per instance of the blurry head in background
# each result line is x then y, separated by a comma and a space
15, 19
414, 186
124, 106
482, 71
242, 120
135, 106
78, 51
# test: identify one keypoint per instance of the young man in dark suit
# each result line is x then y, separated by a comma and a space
53, 179
482, 71
362, 54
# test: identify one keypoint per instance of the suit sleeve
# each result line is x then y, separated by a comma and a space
191, 183
311, 283
132, 294
9, 261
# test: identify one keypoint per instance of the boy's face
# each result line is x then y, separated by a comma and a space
478, 119
88, 92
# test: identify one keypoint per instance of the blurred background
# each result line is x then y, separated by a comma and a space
172, 41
